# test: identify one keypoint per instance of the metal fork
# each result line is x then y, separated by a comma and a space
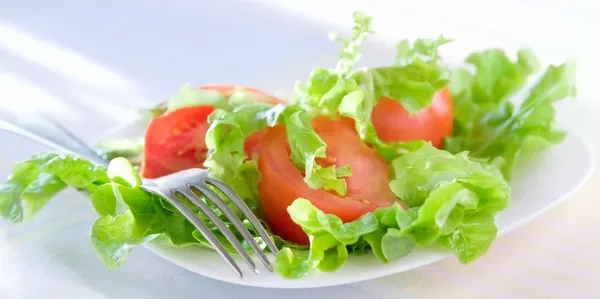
186, 183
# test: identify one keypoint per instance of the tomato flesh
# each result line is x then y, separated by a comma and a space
282, 182
393, 123
175, 141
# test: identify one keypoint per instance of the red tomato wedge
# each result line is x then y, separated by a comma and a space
282, 182
175, 141
393, 123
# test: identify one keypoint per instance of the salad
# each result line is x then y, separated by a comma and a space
383, 159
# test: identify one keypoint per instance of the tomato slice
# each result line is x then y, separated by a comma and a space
393, 123
282, 182
175, 141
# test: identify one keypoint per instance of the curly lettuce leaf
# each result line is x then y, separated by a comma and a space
35, 181
127, 214
325, 90
453, 194
328, 239
487, 122
350, 52
422, 50
326, 87
115, 235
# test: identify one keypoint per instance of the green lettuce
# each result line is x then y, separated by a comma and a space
328, 240
35, 181
454, 195
489, 124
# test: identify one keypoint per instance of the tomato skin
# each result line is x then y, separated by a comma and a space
393, 123
281, 182
175, 141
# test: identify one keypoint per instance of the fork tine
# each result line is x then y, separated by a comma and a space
198, 224
197, 201
218, 201
245, 210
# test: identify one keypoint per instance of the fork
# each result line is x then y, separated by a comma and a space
186, 183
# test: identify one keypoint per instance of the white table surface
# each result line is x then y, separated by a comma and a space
90, 63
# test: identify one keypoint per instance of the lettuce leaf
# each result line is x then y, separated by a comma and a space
453, 193
328, 239
35, 181
487, 122
326, 88
453, 200
128, 215
350, 52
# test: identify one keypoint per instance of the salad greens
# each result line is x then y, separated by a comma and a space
455, 200
453, 194
487, 124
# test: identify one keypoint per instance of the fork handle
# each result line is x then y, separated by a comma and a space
48, 132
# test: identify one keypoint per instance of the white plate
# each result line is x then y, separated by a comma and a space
537, 186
